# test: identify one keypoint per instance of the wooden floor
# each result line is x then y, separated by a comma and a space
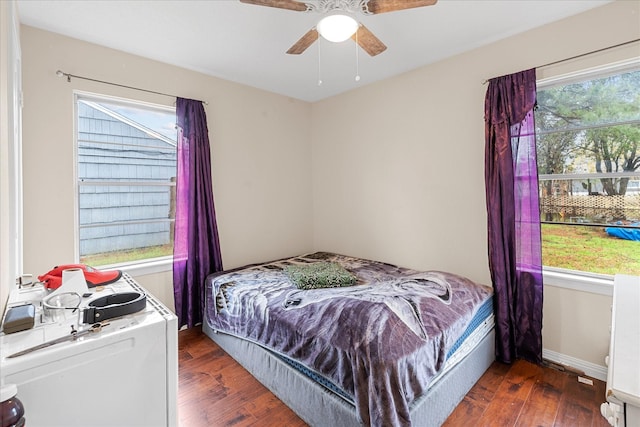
214, 390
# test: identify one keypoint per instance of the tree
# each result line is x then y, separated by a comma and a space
598, 119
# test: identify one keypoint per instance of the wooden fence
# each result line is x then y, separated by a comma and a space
589, 207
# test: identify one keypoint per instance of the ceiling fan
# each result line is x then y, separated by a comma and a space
339, 15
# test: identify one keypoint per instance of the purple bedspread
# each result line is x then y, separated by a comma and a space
381, 341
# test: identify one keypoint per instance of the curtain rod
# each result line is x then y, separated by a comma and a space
60, 73
580, 55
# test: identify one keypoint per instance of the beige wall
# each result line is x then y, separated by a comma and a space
398, 166
576, 324
392, 171
259, 141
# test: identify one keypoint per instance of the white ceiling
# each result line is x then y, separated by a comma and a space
246, 43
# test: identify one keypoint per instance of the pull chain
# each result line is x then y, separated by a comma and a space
357, 56
319, 67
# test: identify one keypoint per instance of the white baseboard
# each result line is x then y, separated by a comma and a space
590, 369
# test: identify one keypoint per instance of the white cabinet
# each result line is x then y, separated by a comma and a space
124, 375
623, 378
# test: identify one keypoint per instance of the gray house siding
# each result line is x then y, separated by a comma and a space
112, 151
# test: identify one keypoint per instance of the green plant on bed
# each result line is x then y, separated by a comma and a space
320, 275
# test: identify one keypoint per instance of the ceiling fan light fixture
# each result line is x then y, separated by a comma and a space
337, 28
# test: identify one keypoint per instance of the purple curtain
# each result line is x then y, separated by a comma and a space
511, 180
196, 250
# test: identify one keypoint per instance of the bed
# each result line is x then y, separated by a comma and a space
346, 341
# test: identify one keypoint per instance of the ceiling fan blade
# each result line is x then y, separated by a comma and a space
304, 42
280, 4
367, 41
381, 6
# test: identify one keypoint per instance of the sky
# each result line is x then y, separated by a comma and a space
161, 121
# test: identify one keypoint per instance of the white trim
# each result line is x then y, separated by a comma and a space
598, 71
76, 184
134, 269
591, 369
100, 97
11, 161
595, 284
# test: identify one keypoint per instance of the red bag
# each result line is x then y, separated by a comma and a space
53, 278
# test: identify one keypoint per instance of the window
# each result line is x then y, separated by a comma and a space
588, 147
126, 168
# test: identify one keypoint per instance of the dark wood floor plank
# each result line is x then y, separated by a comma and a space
215, 391
541, 407
511, 396
481, 394
574, 408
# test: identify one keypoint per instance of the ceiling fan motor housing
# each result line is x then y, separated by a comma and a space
346, 9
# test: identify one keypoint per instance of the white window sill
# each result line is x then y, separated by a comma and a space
594, 283
141, 268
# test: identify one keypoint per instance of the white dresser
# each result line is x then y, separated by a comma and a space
124, 375
623, 378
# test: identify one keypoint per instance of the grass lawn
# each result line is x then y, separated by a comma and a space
127, 256
589, 249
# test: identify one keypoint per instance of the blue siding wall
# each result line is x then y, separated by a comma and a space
137, 156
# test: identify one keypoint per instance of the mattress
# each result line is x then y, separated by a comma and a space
379, 344
479, 327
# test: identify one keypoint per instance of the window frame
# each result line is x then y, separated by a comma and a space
601, 284
138, 267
